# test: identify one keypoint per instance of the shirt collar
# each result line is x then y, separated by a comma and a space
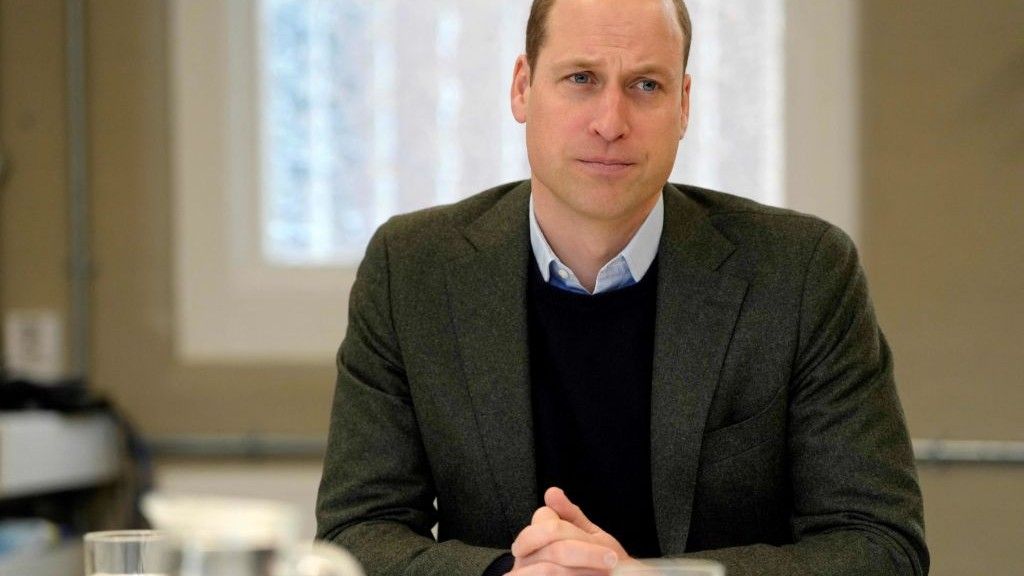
639, 253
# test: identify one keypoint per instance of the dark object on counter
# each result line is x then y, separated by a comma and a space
105, 507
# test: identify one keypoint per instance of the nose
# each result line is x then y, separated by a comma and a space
611, 117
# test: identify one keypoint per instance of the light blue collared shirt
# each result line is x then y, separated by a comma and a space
624, 270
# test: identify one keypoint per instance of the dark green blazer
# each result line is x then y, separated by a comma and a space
778, 445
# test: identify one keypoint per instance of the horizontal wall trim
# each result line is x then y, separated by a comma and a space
239, 446
976, 451
926, 450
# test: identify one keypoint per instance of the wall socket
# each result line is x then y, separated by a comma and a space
34, 345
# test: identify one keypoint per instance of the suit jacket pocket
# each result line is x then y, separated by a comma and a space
735, 439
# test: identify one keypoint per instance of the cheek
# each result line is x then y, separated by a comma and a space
557, 135
560, 118
663, 135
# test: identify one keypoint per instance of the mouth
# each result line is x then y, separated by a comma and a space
607, 166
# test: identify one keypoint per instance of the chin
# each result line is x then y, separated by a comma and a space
605, 209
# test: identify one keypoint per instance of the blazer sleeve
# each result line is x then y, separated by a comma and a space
857, 507
376, 496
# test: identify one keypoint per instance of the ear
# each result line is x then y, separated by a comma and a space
520, 89
684, 118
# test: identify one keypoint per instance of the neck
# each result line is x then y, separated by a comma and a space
585, 244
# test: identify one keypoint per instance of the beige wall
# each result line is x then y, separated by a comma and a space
943, 243
943, 205
33, 205
942, 226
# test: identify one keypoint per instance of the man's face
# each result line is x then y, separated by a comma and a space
605, 107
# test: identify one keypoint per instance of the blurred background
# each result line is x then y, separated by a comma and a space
187, 186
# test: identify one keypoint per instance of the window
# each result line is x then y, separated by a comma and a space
301, 125
332, 113
370, 108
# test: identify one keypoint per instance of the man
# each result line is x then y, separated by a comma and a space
597, 366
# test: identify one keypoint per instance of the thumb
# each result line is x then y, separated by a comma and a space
556, 499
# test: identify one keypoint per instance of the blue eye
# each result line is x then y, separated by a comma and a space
647, 85
579, 78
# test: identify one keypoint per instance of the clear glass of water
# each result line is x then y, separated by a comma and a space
671, 567
127, 552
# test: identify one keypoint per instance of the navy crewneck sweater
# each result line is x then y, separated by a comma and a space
591, 360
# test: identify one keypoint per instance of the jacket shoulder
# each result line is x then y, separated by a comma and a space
747, 222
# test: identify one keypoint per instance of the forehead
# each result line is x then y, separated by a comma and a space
627, 29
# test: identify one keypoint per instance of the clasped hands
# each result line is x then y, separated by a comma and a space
561, 540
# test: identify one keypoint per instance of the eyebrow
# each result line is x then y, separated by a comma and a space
588, 64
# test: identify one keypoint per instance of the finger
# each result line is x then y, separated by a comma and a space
541, 516
544, 514
556, 499
573, 554
536, 536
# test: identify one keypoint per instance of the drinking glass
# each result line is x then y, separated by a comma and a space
126, 552
671, 567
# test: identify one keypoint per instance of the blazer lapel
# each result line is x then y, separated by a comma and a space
696, 313
487, 291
